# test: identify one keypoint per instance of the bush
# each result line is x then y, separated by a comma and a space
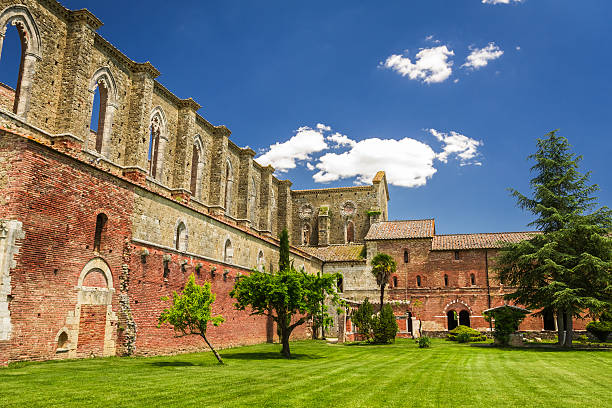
601, 330
507, 321
362, 318
384, 326
474, 335
463, 338
424, 342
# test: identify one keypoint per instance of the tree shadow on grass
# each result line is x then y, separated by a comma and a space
269, 356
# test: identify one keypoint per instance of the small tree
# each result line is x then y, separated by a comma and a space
507, 321
384, 326
190, 312
362, 318
383, 266
289, 297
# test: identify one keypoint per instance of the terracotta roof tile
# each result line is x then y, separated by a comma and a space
401, 229
478, 241
337, 253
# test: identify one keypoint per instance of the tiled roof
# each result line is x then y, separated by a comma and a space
401, 229
478, 241
337, 253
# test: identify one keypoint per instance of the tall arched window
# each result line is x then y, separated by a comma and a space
229, 181
29, 37
472, 279
228, 252
350, 232
445, 280
260, 261
181, 237
157, 143
101, 220
406, 256
104, 103
306, 234
418, 280
197, 167
395, 281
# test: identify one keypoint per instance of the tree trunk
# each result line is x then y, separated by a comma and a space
569, 330
560, 328
382, 296
286, 332
213, 349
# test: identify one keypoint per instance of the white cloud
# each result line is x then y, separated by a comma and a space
340, 140
431, 38
283, 156
407, 162
461, 146
501, 1
323, 128
480, 57
431, 64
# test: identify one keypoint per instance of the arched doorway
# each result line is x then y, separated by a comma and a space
464, 318
451, 319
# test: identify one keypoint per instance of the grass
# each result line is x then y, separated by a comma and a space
321, 375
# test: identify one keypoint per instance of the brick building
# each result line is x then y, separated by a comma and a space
106, 208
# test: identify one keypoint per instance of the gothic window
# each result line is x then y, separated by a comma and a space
306, 234
229, 181
197, 168
157, 143
350, 232
104, 103
456, 255
26, 34
418, 280
260, 261
472, 279
62, 341
101, 220
406, 256
228, 252
181, 237
340, 284
445, 280
395, 281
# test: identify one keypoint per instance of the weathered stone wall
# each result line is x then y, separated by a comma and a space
7, 96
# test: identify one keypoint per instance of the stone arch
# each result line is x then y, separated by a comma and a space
306, 233
229, 181
457, 305
228, 251
260, 261
181, 236
158, 138
62, 340
197, 167
20, 17
97, 264
104, 81
349, 232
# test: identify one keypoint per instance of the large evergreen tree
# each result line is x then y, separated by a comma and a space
283, 255
568, 267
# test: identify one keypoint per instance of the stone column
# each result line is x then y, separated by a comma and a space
218, 158
265, 204
184, 145
22, 101
245, 187
324, 225
284, 207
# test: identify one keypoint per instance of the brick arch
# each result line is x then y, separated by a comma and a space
20, 17
96, 264
457, 305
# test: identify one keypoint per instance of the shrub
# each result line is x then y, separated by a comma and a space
362, 318
384, 326
424, 342
463, 338
601, 330
474, 335
507, 321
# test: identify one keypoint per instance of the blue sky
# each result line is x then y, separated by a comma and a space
271, 70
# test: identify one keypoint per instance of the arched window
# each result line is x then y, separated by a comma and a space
406, 256
340, 284
157, 143
306, 234
62, 341
228, 252
253, 202
180, 243
350, 232
419, 280
229, 181
445, 280
472, 279
197, 167
260, 261
104, 103
101, 220
456, 254
29, 37
464, 318
395, 281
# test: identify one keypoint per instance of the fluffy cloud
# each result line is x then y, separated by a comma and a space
431, 64
306, 141
480, 57
453, 143
340, 140
501, 1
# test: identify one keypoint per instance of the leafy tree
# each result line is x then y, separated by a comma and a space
190, 311
507, 321
568, 267
383, 266
289, 297
362, 318
283, 259
384, 326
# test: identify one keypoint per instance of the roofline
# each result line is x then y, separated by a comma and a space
483, 233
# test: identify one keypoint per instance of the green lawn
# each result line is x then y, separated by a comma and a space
321, 375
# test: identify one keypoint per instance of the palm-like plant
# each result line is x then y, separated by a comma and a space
383, 266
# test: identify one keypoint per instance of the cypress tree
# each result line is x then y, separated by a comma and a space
283, 259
